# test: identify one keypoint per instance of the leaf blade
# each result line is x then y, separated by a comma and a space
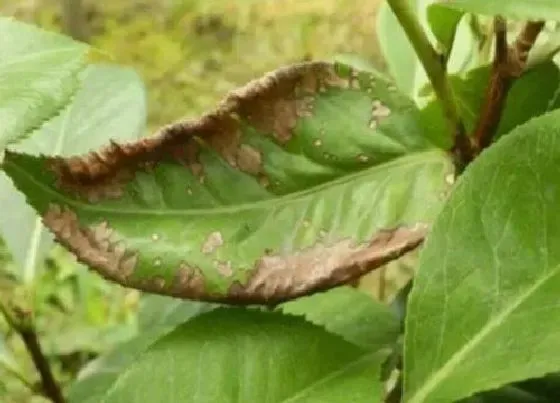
239, 340
109, 102
508, 263
278, 139
517, 9
37, 76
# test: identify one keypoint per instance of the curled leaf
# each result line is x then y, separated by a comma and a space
297, 182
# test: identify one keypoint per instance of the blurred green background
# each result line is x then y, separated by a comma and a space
189, 53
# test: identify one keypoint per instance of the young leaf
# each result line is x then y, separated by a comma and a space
489, 274
351, 314
231, 355
547, 10
110, 103
37, 76
298, 182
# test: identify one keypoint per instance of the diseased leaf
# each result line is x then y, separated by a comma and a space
489, 274
300, 181
350, 313
547, 10
38, 75
110, 103
248, 356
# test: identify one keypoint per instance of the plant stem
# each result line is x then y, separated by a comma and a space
20, 320
435, 68
509, 63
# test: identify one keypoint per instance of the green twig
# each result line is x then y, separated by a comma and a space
435, 68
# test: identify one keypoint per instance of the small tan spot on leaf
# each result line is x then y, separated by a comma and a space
212, 242
155, 237
157, 262
378, 113
189, 191
225, 269
363, 158
317, 142
249, 159
450, 179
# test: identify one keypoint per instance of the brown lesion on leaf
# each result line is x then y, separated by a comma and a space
272, 105
379, 112
93, 246
212, 242
249, 159
275, 277
278, 278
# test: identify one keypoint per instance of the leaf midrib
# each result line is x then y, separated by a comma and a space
417, 158
37, 55
332, 375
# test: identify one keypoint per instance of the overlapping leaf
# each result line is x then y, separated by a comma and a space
248, 356
401, 59
350, 313
534, 93
299, 181
109, 103
518, 9
370, 326
38, 75
489, 275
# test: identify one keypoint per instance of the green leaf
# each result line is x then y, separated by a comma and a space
37, 76
110, 103
489, 274
249, 356
313, 160
157, 316
98, 376
547, 10
399, 54
160, 311
350, 313
534, 93
443, 23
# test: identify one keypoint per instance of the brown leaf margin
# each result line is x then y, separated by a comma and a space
271, 104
